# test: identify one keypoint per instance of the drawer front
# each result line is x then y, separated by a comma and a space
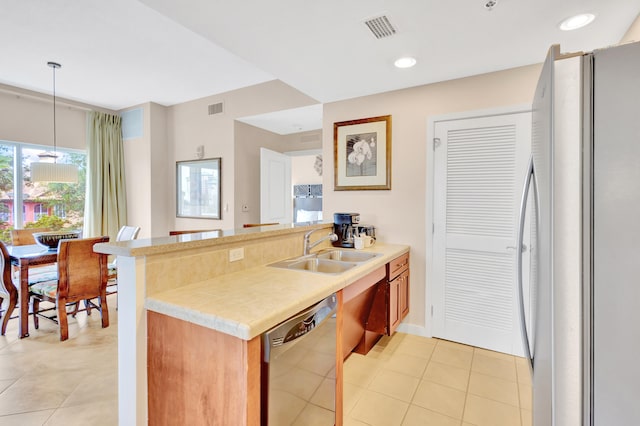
397, 266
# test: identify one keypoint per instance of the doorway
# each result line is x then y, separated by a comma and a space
290, 186
479, 162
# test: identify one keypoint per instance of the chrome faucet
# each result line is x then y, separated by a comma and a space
308, 246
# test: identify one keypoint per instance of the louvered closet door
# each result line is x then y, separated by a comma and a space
479, 169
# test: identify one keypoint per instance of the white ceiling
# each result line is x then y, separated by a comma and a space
120, 53
288, 121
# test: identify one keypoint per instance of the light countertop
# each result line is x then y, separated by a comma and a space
210, 239
247, 303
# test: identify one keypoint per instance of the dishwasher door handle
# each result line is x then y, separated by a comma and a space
299, 325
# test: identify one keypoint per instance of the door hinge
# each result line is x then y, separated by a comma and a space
436, 143
433, 228
431, 311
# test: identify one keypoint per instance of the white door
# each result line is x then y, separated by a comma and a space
276, 202
479, 167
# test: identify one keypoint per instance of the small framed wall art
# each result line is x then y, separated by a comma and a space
362, 154
198, 188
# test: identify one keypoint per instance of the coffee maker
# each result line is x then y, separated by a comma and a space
345, 226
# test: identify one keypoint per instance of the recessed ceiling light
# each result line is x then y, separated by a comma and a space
578, 21
406, 62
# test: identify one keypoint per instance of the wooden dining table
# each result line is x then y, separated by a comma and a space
24, 257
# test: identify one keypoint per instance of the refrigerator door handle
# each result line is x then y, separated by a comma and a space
519, 251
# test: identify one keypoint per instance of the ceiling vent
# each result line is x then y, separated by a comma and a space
216, 108
380, 27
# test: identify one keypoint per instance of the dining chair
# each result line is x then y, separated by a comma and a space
126, 233
191, 231
82, 276
8, 290
253, 225
23, 237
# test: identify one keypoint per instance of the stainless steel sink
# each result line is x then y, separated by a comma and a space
334, 261
346, 255
322, 265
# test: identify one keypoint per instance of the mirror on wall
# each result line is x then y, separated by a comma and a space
198, 184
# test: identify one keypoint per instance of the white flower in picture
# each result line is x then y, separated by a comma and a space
361, 151
361, 155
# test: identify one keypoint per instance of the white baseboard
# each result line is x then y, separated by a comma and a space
417, 330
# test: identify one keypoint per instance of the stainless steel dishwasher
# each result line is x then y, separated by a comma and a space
298, 368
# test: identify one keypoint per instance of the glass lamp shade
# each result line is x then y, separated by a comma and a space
54, 172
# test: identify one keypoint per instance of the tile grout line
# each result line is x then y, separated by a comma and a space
416, 389
466, 393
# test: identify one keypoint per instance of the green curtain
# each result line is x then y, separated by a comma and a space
106, 200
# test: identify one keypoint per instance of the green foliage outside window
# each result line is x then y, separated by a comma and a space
52, 222
66, 198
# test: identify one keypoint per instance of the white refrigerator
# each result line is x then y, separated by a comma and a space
581, 312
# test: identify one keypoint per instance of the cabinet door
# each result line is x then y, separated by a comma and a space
394, 305
403, 298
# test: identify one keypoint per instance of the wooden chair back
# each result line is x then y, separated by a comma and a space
24, 237
191, 231
253, 225
6, 283
82, 273
7, 289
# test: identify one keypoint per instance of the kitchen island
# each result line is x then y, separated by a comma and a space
186, 291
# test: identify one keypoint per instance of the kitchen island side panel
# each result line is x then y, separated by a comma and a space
199, 376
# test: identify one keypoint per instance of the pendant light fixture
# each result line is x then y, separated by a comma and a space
52, 171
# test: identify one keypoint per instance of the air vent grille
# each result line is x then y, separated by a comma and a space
216, 108
380, 27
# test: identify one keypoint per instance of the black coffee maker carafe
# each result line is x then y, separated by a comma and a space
345, 226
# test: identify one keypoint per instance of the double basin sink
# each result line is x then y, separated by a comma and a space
332, 261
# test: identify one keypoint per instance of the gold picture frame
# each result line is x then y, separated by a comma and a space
362, 154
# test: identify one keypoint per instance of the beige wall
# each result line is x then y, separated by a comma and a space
148, 174
137, 163
303, 171
28, 117
162, 173
248, 141
633, 33
400, 214
190, 125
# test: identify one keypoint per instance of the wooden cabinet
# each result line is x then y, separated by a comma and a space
391, 302
198, 375
398, 300
358, 297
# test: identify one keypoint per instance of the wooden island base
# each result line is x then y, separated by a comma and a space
199, 376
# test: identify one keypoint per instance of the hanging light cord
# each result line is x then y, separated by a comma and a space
54, 65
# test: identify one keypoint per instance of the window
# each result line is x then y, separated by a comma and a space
25, 204
5, 211
59, 210
38, 211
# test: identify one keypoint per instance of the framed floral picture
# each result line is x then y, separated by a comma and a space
362, 154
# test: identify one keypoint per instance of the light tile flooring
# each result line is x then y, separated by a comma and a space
404, 380
44, 381
409, 380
